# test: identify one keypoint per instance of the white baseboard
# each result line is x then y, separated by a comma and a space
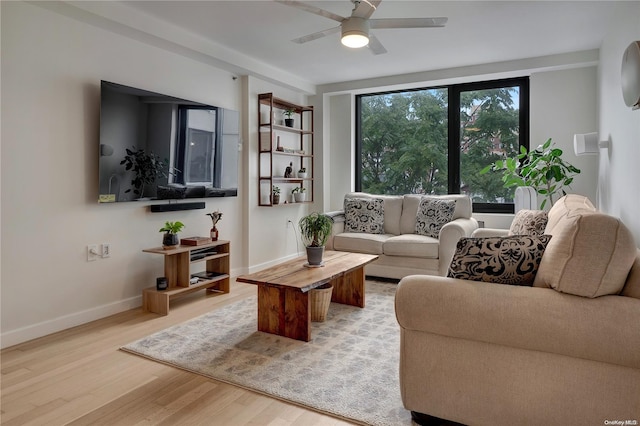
34, 331
270, 263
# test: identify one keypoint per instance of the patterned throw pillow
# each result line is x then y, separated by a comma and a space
504, 260
432, 215
364, 215
529, 222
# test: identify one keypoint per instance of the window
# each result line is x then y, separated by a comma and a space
436, 140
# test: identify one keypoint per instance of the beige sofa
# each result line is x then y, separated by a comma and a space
401, 251
565, 351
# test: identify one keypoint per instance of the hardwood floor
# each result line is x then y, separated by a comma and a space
80, 377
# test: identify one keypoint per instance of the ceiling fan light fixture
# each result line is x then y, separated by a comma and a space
355, 32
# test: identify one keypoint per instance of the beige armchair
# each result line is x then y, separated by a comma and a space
565, 351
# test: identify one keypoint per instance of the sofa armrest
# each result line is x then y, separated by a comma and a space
337, 217
448, 239
490, 232
604, 329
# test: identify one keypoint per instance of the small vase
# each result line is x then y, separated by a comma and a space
214, 234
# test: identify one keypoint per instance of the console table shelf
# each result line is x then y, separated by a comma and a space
177, 270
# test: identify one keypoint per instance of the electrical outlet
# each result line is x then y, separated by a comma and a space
92, 252
106, 250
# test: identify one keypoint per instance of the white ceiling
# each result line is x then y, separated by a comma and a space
478, 32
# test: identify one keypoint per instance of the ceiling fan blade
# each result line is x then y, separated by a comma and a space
408, 22
375, 46
311, 9
316, 36
365, 8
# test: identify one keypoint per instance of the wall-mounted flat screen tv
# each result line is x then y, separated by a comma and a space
158, 147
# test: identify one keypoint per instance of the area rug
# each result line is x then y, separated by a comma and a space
349, 369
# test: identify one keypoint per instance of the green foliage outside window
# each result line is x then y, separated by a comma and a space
405, 141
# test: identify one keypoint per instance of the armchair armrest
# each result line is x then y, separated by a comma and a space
601, 329
448, 239
337, 217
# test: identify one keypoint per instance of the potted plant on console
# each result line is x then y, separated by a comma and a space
170, 238
315, 229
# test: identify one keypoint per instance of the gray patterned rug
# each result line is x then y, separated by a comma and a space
349, 369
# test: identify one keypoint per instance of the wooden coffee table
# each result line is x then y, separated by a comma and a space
283, 290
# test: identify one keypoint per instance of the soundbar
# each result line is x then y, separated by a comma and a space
172, 207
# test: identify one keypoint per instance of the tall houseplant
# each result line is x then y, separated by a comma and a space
542, 169
147, 168
315, 229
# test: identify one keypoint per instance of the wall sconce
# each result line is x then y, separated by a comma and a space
588, 144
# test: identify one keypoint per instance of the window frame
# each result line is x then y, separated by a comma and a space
453, 131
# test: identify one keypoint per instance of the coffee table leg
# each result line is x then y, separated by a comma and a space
284, 311
348, 288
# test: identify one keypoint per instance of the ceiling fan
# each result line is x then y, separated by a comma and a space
355, 29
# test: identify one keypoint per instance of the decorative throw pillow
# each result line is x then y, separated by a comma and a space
504, 260
529, 222
364, 215
432, 215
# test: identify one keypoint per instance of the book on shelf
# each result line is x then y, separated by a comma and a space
207, 275
195, 241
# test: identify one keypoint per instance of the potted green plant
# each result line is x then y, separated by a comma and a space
302, 173
170, 238
542, 169
298, 194
146, 166
289, 114
315, 230
275, 195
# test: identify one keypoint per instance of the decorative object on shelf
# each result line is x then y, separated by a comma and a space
320, 299
170, 238
543, 169
275, 195
215, 218
302, 173
278, 146
194, 241
315, 229
147, 168
162, 283
289, 114
298, 194
288, 171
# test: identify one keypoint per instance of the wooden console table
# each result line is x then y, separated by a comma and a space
177, 270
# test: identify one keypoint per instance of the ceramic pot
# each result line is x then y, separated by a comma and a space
169, 241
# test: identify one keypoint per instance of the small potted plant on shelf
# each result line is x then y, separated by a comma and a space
289, 114
275, 195
170, 238
302, 173
215, 218
298, 194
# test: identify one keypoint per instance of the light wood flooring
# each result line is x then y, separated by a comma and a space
79, 376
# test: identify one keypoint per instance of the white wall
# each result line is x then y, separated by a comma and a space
619, 173
51, 71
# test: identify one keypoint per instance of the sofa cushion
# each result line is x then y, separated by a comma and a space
432, 215
392, 209
565, 205
359, 242
503, 260
412, 201
529, 222
590, 255
364, 215
412, 245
